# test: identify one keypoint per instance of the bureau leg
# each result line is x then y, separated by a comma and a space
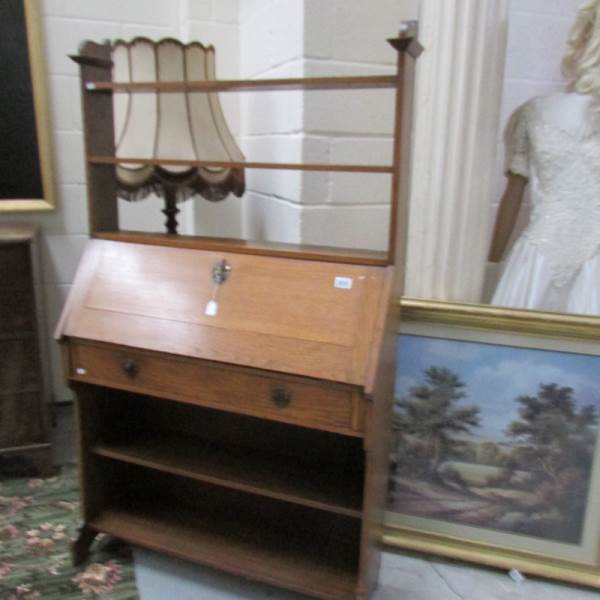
80, 547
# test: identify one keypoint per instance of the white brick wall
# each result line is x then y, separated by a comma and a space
271, 45
315, 38
348, 37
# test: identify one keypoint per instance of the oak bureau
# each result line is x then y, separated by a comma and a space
233, 398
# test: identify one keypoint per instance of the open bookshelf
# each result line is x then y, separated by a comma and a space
271, 501
253, 439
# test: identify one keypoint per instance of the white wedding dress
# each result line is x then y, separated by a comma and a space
555, 263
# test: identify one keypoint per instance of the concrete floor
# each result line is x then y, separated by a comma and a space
402, 577
416, 578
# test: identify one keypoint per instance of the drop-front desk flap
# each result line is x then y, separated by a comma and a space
311, 318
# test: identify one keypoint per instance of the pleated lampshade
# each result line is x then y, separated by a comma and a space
184, 125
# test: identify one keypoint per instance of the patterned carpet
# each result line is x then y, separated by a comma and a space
38, 518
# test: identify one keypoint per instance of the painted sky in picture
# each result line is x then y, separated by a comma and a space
495, 375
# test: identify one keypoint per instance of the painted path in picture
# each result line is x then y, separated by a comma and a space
495, 436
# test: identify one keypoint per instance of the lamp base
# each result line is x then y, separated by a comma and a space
171, 211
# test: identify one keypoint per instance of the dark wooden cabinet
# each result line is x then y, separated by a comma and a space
23, 382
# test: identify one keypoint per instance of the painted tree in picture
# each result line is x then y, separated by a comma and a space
431, 416
479, 442
556, 443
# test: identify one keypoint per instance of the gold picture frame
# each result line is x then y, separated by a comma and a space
42, 118
554, 338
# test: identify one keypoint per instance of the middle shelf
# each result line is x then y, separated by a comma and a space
292, 464
251, 471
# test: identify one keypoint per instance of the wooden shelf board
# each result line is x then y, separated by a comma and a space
231, 164
242, 470
241, 85
282, 250
234, 546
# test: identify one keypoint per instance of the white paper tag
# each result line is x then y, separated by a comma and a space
343, 283
516, 576
211, 309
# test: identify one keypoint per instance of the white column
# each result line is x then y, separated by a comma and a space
457, 101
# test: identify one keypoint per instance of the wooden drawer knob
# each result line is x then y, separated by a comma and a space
281, 397
130, 367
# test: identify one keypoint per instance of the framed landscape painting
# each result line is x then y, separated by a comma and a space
496, 456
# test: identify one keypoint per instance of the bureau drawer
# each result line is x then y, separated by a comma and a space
326, 406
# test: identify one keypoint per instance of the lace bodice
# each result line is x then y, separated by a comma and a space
564, 176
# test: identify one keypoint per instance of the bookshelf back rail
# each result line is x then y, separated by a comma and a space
346, 168
253, 85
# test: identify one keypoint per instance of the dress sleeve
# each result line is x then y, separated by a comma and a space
516, 141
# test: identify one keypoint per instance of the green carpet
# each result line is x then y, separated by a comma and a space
38, 518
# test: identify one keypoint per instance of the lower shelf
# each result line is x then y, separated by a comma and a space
311, 562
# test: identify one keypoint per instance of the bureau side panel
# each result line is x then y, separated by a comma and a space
378, 436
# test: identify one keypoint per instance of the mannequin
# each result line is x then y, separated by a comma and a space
553, 145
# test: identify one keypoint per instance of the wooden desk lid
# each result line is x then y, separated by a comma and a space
280, 314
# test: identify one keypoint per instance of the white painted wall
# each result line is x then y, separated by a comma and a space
271, 45
294, 38
348, 37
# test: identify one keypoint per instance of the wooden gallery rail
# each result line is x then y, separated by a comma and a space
97, 88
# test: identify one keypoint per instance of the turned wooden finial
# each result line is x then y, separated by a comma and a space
407, 39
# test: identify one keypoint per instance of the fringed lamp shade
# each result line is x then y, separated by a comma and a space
183, 125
